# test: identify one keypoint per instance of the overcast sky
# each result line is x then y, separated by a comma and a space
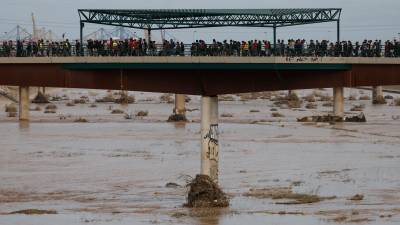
360, 18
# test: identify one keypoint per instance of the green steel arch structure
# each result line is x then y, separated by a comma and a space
161, 19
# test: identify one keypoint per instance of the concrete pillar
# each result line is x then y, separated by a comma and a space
209, 137
377, 94
24, 103
180, 104
338, 104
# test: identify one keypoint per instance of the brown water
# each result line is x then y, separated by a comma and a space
114, 171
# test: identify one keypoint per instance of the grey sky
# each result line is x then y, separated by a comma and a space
360, 18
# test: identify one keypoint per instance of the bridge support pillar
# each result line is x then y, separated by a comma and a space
338, 98
180, 104
24, 103
209, 137
377, 95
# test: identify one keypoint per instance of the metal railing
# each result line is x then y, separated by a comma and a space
192, 50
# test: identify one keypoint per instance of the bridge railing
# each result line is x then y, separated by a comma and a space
190, 50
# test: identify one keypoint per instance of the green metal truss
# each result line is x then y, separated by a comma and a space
152, 19
163, 19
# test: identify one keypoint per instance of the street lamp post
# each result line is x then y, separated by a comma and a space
194, 35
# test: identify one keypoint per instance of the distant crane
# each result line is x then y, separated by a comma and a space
17, 33
21, 33
100, 34
170, 36
116, 33
34, 32
44, 34
122, 33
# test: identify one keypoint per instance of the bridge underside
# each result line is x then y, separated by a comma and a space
197, 80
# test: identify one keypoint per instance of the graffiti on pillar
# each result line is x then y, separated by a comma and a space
212, 134
212, 137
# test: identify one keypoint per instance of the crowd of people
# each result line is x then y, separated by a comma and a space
134, 47
142, 47
35, 48
291, 48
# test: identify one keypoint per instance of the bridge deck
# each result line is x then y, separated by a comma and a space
200, 59
199, 75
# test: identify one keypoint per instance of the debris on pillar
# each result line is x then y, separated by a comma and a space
177, 118
205, 193
360, 118
40, 98
179, 112
125, 98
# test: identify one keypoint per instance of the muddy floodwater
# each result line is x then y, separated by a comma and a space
113, 170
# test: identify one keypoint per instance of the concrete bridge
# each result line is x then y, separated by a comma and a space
205, 76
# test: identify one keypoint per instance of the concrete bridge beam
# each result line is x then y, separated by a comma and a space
24, 103
209, 137
338, 104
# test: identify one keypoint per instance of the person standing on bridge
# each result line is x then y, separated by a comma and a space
153, 48
130, 47
67, 47
283, 48
78, 48
245, 48
323, 48
259, 48
19, 48
370, 49
41, 47
114, 44
267, 47
357, 49
277, 51
9, 48
291, 45
378, 48
29, 49
125, 48
312, 48
90, 47
225, 48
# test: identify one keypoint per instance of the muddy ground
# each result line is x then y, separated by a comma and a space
85, 165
